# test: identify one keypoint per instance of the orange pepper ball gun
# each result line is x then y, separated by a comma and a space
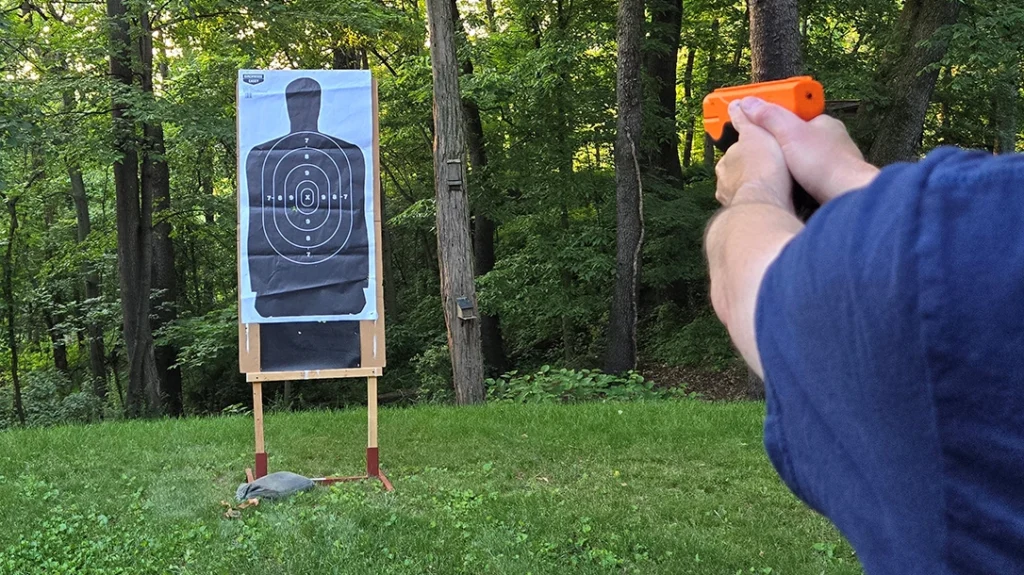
801, 95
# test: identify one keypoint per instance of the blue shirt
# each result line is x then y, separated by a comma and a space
891, 331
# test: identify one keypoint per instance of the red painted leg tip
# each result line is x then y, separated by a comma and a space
261, 465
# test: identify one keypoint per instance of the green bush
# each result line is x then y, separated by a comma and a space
80, 407
434, 371
8, 418
45, 401
40, 392
569, 385
703, 342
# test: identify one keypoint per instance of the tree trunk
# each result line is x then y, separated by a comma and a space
156, 184
662, 64
455, 248
688, 94
774, 55
483, 228
896, 122
133, 223
97, 366
1006, 96
52, 316
774, 40
621, 353
347, 58
12, 339
709, 86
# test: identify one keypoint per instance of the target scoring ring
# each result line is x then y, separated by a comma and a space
323, 211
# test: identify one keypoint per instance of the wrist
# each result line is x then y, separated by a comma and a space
850, 177
761, 193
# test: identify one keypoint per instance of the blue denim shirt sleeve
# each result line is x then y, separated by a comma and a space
891, 331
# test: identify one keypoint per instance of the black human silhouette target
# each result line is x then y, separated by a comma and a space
308, 247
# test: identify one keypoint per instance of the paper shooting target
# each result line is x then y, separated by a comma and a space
307, 249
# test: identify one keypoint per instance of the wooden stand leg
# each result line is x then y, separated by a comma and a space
257, 414
372, 461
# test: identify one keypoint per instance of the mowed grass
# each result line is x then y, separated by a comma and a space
666, 487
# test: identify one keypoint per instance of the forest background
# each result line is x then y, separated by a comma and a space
118, 176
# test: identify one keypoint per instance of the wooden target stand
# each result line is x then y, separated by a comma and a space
371, 343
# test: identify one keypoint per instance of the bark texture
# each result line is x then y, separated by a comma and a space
483, 226
621, 353
156, 184
774, 40
134, 234
455, 248
896, 122
662, 64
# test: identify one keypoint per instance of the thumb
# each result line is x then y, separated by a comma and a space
778, 121
739, 118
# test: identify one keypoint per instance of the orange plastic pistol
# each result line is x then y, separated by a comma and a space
802, 95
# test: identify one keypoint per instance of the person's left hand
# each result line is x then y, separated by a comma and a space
754, 169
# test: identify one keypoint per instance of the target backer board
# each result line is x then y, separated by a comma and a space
309, 232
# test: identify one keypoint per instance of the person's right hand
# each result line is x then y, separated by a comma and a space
820, 154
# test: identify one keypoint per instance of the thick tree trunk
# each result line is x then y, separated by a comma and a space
709, 86
97, 365
133, 224
896, 122
483, 228
12, 339
774, 40
621, 353
688, 94
774, 55
455, 248
1006, 96
156, 184
662, 64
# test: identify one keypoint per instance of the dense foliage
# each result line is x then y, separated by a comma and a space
542, 74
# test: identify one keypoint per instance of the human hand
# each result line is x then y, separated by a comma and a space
820, 154
754, 168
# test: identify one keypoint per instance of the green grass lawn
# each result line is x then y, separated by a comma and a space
666, 487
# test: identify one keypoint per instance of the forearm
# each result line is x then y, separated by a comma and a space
742, 241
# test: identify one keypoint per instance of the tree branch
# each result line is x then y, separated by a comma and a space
173, 21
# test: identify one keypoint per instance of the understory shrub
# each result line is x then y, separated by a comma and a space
42, 395
550, 385
703, 342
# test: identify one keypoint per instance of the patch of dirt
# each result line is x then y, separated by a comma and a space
729, 384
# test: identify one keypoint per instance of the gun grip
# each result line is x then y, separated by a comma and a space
803, 204
729, 137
